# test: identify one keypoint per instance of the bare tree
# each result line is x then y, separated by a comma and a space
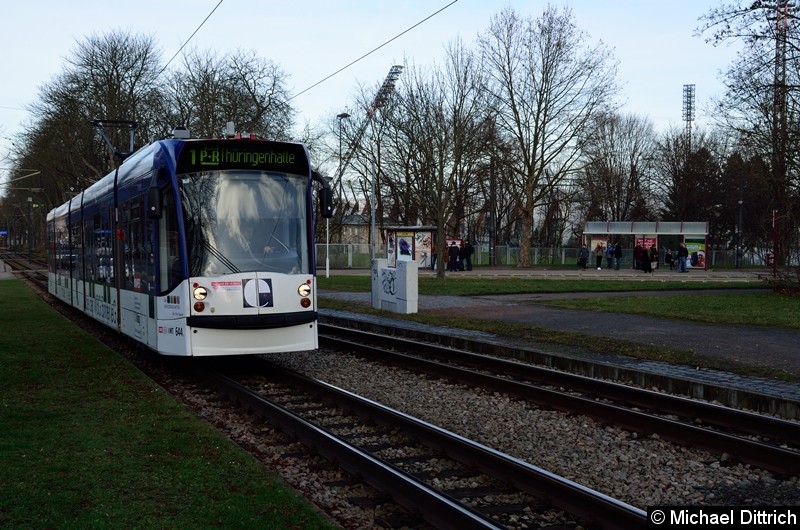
108, 77
119, 75
618, 157
693, 186
746, 196
761, 106
438, 145
548, 84
193, 95
259, 99
498, 216
242, 88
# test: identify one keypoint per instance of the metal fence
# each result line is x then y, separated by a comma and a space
359, 256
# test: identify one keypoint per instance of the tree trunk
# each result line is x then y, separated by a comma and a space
525, 240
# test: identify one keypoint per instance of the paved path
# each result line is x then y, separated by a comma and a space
5, 271
695, 275
748, 345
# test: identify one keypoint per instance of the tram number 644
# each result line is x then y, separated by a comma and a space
177, 331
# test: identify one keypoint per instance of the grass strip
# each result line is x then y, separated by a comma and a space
88, 441
751, 306
748, 304
466, 285
745, 309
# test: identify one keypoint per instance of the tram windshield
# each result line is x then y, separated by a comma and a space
246, 221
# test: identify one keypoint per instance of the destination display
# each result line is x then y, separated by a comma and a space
258, 154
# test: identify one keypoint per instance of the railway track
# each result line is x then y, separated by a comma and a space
34, 269
462, 482
763, 441
445, 479
435, 478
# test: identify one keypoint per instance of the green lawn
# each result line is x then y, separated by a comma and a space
745, 308
748, 304
476, 285
88, 441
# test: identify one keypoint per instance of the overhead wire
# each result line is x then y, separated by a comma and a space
373, 50
325, 78
190, 37
172, 58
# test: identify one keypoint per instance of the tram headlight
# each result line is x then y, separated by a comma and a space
200, 292
304, 290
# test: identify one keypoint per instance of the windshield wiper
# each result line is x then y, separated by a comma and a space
221, 257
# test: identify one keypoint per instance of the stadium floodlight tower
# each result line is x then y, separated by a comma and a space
688, 113
380, 100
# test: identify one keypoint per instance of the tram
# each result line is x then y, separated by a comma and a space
196, 247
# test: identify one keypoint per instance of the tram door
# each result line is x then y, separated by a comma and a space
171, 294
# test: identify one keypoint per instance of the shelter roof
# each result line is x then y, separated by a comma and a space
647, 227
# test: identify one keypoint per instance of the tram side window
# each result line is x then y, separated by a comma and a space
135, 253
77, 249
60, 244
62, 247
170, 263
91, 250
103, 269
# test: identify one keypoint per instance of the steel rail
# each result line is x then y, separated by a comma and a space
767, 456
721, 416
435, 507
565, 494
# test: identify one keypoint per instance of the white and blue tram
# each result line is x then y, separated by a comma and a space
196, 247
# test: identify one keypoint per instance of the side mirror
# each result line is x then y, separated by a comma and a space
326, 203
325, 195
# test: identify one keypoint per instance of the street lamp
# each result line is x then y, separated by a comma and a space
30, 228
340, 117
739, 249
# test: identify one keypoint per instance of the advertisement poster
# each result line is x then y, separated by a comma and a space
391, 248
409, 245
697, 253
405, 246
422, 248
647, 241
602, 241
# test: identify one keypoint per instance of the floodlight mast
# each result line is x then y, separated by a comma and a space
688, 113
380, 100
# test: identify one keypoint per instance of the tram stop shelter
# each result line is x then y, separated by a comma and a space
410, 243
694, 234
395, 279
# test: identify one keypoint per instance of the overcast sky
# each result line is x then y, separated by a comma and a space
310, 39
